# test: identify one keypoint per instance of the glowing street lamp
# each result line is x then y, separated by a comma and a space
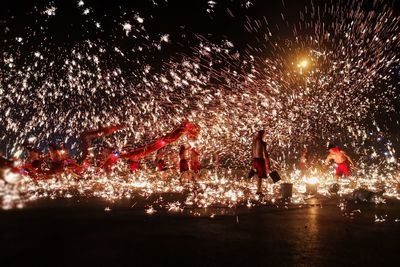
302, 65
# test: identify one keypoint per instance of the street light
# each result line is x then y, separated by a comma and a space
302, 65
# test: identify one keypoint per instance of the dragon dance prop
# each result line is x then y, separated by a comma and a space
87, 137
188, 128
42, 169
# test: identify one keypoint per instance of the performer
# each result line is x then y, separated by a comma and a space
110, 162
69, 163
261, 161
303, 164
194, 160
33, 163
160, 162
87, 138
342, 160
183, 163
57, 163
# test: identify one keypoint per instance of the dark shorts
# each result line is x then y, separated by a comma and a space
260, 165
183, 165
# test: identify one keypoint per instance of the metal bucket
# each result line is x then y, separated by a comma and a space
286, 190
311, 189
334, 188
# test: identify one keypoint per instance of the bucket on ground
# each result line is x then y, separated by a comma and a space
286, 190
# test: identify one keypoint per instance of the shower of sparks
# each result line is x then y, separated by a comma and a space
248, 4
165, 38
86, 11
327, 82
139, 19
211, 6
50, 11
127, 28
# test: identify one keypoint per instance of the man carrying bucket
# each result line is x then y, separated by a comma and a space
261, 162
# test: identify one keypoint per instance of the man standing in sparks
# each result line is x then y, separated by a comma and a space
261, 162
342, 160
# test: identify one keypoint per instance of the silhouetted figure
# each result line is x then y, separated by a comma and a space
342, 160
261, 161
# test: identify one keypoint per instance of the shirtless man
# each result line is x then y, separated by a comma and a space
57, 163
184, 164
303, 165
33, 162
342, 160
195, 160
261, 160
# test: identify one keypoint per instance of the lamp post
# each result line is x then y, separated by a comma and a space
303, 64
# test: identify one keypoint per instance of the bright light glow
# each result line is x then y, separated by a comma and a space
303, 64
312, 180
11, 177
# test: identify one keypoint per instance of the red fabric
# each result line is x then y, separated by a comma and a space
110, 162
302, 166
261, 167
88, 136
161, 165
138, 153
343, 169
82, 167
195, 166
134, 166
183, 165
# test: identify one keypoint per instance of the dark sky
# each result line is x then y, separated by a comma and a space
180, 19
183, 21
69, 26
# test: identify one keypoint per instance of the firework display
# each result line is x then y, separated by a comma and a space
330, 75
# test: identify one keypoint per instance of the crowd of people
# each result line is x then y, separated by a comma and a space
187, 161
39, 164
261, 162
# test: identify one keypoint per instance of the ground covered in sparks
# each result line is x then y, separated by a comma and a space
223, 188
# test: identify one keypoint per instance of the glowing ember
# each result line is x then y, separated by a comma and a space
312, 180
348, 60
